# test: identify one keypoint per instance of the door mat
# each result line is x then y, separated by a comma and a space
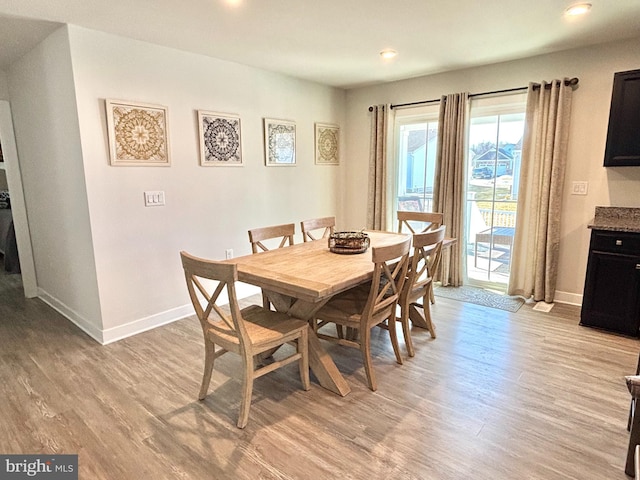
479, 296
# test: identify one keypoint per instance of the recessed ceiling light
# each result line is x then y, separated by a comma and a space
388, 53
578, 9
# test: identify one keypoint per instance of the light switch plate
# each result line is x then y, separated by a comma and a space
579, 188
154, 198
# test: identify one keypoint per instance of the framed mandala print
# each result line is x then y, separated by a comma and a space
327, 141
220, 142
138, 134
279, 142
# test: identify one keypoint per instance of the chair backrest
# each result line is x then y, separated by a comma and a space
204, 299
427, 250
410, 219
390, 270
308, 226
284, 232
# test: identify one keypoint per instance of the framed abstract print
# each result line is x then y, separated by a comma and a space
279, 142
220, 140
138, 134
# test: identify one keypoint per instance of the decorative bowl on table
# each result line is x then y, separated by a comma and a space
348, 242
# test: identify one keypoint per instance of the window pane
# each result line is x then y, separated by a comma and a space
417, 143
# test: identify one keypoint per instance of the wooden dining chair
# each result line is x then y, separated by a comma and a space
362, 309
427, 221
257, 236
283, 232
415, 221
247, 332
310, 226
427, 251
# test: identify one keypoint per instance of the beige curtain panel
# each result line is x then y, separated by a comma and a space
377, 197
448, 195
534, 267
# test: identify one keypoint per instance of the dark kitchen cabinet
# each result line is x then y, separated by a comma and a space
623, 140
611, 298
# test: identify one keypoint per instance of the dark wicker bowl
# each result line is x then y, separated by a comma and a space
348, 242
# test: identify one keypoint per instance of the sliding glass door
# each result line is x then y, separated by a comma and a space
495, 148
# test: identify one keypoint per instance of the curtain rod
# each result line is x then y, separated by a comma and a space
571, 82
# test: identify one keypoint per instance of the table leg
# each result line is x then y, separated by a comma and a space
320, 362
419, 320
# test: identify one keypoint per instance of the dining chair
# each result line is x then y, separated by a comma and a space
283, 232
411, 219
361, 309
427, 251
309, 226
257, 236
247, 332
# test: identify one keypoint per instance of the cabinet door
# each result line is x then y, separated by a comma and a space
612, 293
623, 141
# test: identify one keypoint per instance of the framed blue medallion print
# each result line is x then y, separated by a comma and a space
279, 142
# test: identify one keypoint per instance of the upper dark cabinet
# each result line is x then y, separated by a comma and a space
623, 136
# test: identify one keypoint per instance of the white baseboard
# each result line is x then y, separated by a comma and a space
110, 335
82, 323
566, 297
140, 325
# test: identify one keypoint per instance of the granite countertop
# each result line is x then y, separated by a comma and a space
617, 219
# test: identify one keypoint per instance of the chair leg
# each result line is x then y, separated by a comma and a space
427, 316
634, 439
209, 352
247, 390
365, 347
406, 330
393, 334
303, 349
432, 296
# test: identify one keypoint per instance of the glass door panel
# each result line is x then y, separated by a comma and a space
495, 143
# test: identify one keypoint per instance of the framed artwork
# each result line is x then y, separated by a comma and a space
279, 142
1, 156
220, 141
138, 134
327, 142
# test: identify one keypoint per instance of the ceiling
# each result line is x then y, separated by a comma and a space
333, 42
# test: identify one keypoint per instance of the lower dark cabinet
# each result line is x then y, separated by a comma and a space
611, 298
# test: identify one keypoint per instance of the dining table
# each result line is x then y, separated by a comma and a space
301, 278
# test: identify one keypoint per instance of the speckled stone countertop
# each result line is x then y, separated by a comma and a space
617, 219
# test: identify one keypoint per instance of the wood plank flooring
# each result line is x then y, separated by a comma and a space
498, 395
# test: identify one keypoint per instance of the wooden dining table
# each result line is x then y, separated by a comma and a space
301, 278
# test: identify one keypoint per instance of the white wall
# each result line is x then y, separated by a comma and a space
208, 209
4, 86
595, 67
48, 140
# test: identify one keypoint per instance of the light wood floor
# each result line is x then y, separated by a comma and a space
497, 396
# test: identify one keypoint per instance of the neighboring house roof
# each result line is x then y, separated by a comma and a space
503, 154
418, 138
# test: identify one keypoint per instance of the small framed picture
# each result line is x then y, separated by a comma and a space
327, 144
138, 134
220, 140
279, 142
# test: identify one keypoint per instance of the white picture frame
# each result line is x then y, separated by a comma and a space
220, 139
138, 134
279, 142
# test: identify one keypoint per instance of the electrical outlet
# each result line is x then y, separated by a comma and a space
228, 253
